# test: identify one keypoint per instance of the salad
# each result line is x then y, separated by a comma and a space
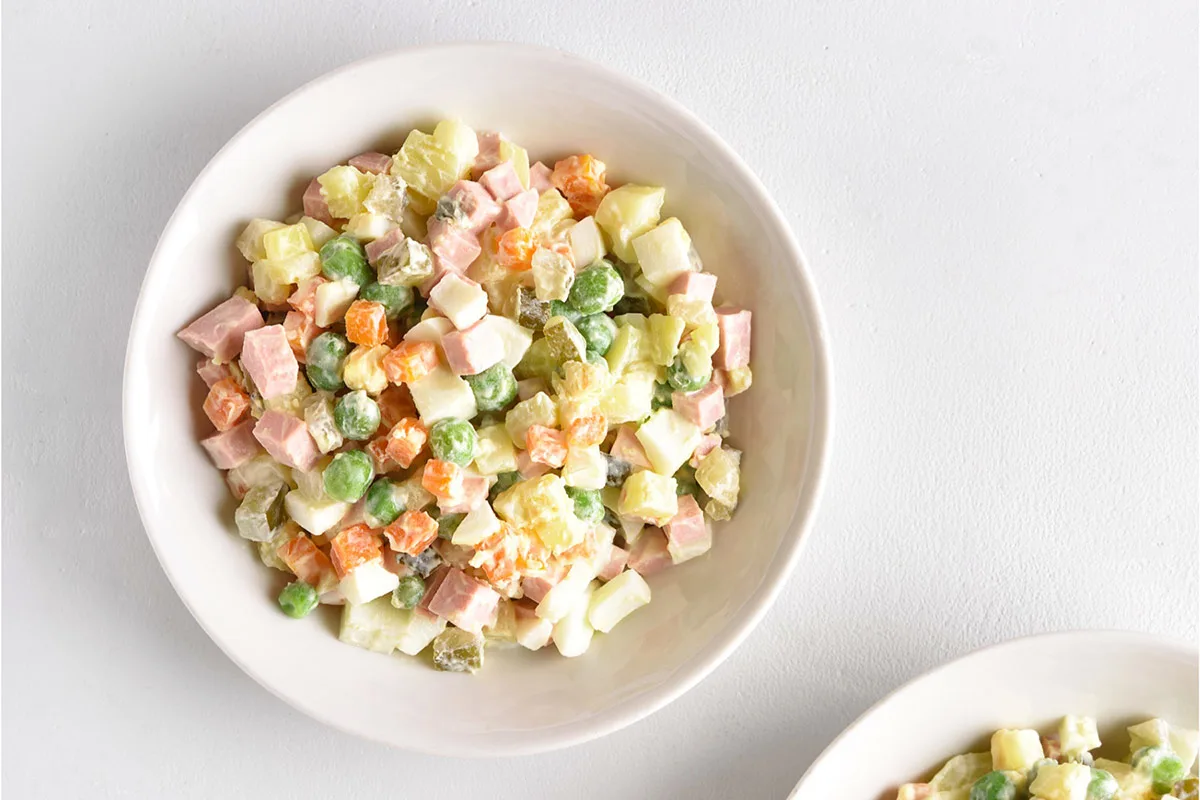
472, 400
1060, 766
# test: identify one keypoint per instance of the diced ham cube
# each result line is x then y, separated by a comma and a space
304, 299
219, 333
474, 491
627, 447
233, 447
453, 248
489, 152
471, 351
539, 178
708, 443
210, 372
616, 563
300, 330
702, 407
695, 285
375, 163
375, 249
432, 584
395, 403
734, 326
478, 206
464, 601
536, 586
315, 205
529, 468
287, 439
649, 554
268, 358
687, 534
519, 211
501, 181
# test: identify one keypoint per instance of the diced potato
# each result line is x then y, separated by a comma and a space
382, 628
537, 410
429, 167
315, 516
649, 496
552, 209
331, 301
639, 321
585, 468
1148, 734
573, 633
720, 477
962, 771
565, 594
694, 311
286, 242
543, 505
617, 599
368, 581
1078, 734
1014, 749
462, 301
663, 335
738, 380
479, 524
583, 379
419, 631
669, 440
494, 452
364, 369
268, 289
318, 231
250, 240
344, 189
626, 349
442, 394
1185, 743
654, 291
367, 227
519, 158
461, 142
707, 337
293, 401
515, 339
292, 269
533, 632
1061, 782
664, 253
587, 243
553, 275
631, 398
388, 197
627, 212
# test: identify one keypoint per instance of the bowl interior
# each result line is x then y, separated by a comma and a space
1118, 678
553, 105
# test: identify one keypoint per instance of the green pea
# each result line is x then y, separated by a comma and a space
558, 308
504, 482
453, 440
344, 257
394, 299
325, 357
348, 476
357, 415
588, 506
662, 397
598, 288
494, 388
1103, 785
993, 786
598, 331
298, 599
409, 592
681, 380
1163, 766
448, 524
384, 503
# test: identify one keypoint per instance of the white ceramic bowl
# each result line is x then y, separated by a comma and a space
553, 104
1118, 678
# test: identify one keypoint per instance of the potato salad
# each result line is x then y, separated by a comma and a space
1060, 766
472, 400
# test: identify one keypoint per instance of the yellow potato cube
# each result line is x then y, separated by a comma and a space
494, 452
694, 311
1061, 782
288, 241
344, 189
519, 158
552, 208
364, 369
627, 212
1013, 749
663, 335
250, 241
669, 439
719, 476
648, 495
537, 410
1078, 734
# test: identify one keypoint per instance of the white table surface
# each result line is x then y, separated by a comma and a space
1000, 206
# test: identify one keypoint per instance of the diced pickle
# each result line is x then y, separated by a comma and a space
409, 263
538, 362
531, 312
719, 476
565, 341
456, 650
318, 415
718, 512
424, 564
618, 470
261, 512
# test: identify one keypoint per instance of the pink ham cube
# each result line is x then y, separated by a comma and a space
269, 360
472, 350
315, 205
210, 371
474, 491
478, 207
374, 163
453, 248
649, 554
708, 443
432, 584
287, 439
377, 248
232, 448
539, 178
695, 286
536, 586
734, 326
519, 210
489, 152
219, 333
529, 468
627, 447
688, 535
464, 601
702, 407
304, 299
501, 181
616, 563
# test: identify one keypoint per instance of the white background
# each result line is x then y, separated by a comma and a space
999, 202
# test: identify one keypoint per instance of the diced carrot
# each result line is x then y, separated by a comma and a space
581, 180
308, 563
405, 441
353, 546
412, 533
442, 479
304, 299
546, 445
378, 450
300, 331
587, 431
395, 403
366, 323
226, 404
410, 361
514, 249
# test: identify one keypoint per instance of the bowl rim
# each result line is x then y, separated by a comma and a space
689, 674
1132, 639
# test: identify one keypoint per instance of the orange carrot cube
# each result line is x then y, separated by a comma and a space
411, 533
410, 361
395, 403
546, 445
405, 441
308, 563
442, 479
366, 323
226, 404
514, 249
353, 546
378, 450
581, 180
587, 431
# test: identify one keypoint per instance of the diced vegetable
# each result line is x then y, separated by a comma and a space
452, 439
553, 275
344, 189
649, 496
617, 599
348, 476
408, 592
357, 416
494, 388
298, 599
627, 212
260, 512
